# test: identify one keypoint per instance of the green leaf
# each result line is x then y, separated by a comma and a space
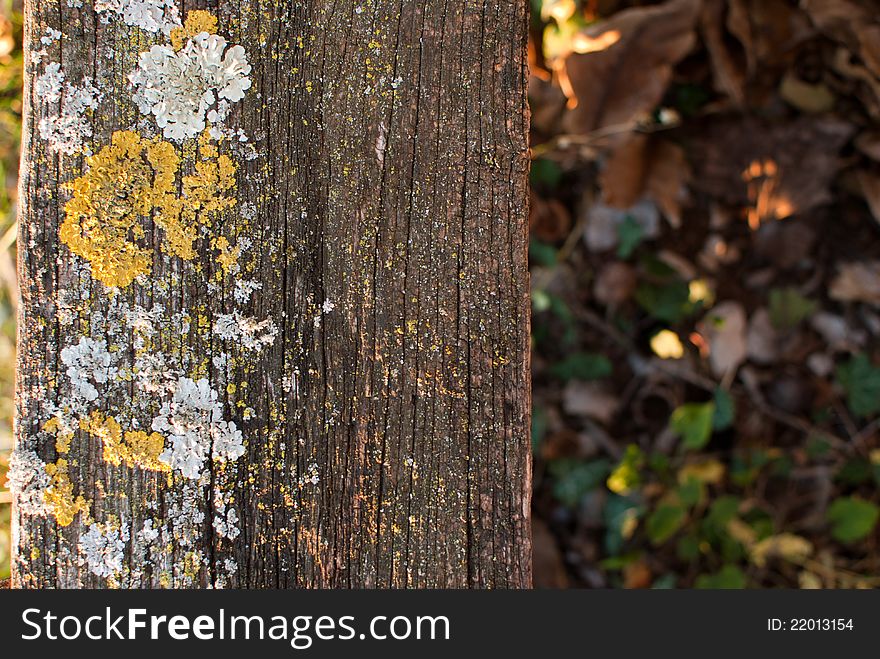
725, 412
582, 366
852, 519
668, 302
541, 253
574, 478
665, 582
855, 471
664, 522
690, 492
788, 307
693, 423
626, 475
539, 427
545, 173
729, 577
860, 380
620, 515
688, 548
722, 510
629, 236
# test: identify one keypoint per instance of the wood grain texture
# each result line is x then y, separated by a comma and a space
382, 210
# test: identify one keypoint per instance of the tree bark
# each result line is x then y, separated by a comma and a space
356, 298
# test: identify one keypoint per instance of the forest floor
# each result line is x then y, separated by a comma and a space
705, 261
706, 293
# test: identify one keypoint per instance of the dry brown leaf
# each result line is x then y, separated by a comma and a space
871, 189
869, 144
615, 284
549, 568
623, 178
549, 220
646, 165
806, 97
727, 75
787, 546
547, 103
762, 339
589, 399
767, 30
603, 223
837, 333
857, 282
724, 329
842, 20
777, 170
617, 85
668, 178
856, 25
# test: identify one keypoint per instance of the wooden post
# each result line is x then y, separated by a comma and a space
274, 326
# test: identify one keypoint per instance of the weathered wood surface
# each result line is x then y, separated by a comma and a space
358, 302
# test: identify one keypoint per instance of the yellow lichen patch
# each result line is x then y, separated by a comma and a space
204, 192
58, 497
196, 21
62, 439
228, 257
127, 180
134, 448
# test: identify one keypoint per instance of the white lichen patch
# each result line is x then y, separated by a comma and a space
225, 518
148, 15
181, 89
249, 333
244, 288
27, 479
103, 549
311, 477
88, 362
66, 126
50, 36
186, 515
50, 83
194, 425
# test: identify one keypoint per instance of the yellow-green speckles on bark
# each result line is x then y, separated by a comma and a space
134, 448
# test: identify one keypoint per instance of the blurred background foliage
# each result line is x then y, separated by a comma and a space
10, 131
705, 256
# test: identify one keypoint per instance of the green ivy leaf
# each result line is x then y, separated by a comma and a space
729, 577
788, 308
669, 302
582, 366
690, 493
852, 518
572, 479
860, 380
725, 411
664, 522
541, 253
693, 423
629, 236
626, 474
545, 173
